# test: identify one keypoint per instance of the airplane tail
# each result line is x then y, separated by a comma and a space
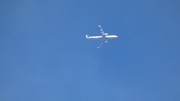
87, 36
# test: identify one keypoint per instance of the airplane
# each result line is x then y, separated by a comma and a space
104, 37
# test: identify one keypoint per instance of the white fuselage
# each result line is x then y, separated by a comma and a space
102, 37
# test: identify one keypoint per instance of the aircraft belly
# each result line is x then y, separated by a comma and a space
95, 37
110, 36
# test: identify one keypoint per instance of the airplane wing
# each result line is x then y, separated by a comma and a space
102, 32
103, 41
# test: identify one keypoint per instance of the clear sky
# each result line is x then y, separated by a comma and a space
44, 55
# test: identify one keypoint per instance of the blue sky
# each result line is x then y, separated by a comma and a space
44, 54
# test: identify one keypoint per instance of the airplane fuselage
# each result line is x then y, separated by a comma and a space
102, 37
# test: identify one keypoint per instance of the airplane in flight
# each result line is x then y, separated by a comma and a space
104, 37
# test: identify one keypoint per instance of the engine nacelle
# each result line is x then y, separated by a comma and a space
105, 33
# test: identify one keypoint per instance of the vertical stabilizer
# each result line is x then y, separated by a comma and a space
87, 36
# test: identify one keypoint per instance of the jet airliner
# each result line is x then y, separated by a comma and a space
104, 37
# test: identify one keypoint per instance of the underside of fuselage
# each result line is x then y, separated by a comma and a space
102, 37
